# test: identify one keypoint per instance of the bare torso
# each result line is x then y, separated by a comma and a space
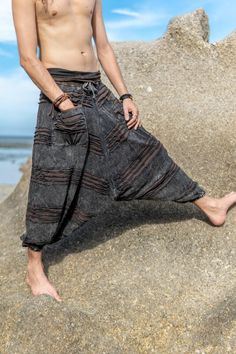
65, 34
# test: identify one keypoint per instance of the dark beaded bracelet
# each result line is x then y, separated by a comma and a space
126, 95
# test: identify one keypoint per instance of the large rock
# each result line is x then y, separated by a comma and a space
144, 277
195, 25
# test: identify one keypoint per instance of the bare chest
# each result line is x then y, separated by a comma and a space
54, 9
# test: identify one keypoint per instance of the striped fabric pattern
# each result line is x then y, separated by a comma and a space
85, 157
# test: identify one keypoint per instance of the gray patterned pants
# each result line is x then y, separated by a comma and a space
85, 156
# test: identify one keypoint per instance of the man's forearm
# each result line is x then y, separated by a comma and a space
41, 77
107, 58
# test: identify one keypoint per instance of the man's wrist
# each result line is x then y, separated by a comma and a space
126, 95
66, 104
62, 97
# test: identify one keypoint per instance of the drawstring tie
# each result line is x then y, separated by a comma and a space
88, 87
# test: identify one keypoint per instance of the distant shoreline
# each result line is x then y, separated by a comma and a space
14, 151
15, 145
20, 142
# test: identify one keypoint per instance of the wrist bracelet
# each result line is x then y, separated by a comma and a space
126, 95
60, 99
55, 102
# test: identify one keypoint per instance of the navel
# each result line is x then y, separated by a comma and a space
54, 12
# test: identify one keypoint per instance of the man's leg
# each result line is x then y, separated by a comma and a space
69, 183
58, 157
141, 167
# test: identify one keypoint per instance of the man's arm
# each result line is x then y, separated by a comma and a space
26, 33
105, 51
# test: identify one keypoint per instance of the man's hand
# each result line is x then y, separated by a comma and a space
66, 104
129, 106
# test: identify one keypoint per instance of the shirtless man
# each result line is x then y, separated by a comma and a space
63, 30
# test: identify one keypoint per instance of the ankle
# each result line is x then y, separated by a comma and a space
34, 264
33, 253
206, 202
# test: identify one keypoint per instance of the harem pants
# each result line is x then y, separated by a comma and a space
85, 156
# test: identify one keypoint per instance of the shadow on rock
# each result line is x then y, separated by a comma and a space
117, 220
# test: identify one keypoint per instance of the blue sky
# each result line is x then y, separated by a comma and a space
124, 20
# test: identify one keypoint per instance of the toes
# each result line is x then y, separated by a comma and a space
231, 193
52, 294
59, 299
44, 290
57, 296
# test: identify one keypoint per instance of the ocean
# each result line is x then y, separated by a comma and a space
14, 151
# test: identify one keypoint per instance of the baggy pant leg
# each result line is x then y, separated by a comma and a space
68, 184
139, 164
58, 157
95, 190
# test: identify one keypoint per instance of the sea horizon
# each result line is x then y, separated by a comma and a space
14, 151
19, 140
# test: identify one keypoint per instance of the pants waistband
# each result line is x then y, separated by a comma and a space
66, 75
90, 81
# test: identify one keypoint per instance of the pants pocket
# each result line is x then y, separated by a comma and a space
69, 126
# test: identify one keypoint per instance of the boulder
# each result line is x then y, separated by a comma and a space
145, 276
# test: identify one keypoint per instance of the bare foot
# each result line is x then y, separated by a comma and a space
36, 278
216, 208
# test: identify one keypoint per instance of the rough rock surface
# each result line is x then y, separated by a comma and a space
5, 190
144, 277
